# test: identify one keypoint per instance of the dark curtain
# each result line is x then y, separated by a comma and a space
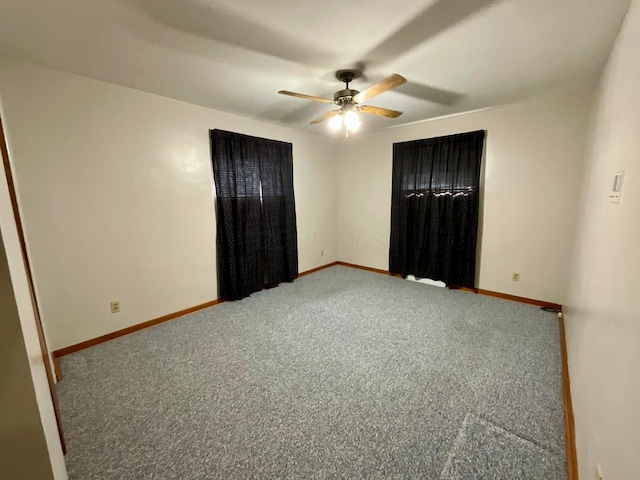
434, 208
256, 231
279, 214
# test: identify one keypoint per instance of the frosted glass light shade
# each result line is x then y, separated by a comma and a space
351, 120
336, 122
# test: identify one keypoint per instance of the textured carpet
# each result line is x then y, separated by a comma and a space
342, 374
484, 450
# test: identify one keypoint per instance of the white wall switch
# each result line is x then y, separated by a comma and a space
616, 188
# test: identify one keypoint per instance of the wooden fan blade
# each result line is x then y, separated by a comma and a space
326, 116
392, 81
306, 97
383, 112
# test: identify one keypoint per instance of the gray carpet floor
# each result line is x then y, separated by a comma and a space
342, 374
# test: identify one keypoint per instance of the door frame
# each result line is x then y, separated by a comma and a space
27, 265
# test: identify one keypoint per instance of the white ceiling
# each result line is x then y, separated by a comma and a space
234, 55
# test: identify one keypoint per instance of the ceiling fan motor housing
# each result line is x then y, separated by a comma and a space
345, 96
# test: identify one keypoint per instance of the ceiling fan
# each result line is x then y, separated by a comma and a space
350, 101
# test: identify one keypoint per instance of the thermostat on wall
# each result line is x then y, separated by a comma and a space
616, 189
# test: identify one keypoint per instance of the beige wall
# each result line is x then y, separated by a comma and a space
532, 169
603, 316
115, 186
29, 443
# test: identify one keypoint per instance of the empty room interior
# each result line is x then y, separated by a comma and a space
291, 240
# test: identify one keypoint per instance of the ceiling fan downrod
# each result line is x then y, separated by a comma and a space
346, 96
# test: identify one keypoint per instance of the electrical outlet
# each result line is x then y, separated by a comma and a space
599, 475
115, 307
516, 277
322, 253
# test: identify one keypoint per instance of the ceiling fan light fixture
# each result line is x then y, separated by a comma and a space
351, 120
336, 122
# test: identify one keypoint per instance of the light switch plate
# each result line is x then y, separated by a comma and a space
616, 188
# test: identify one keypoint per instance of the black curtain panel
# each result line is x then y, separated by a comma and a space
279, 213
256, 229
434, 208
